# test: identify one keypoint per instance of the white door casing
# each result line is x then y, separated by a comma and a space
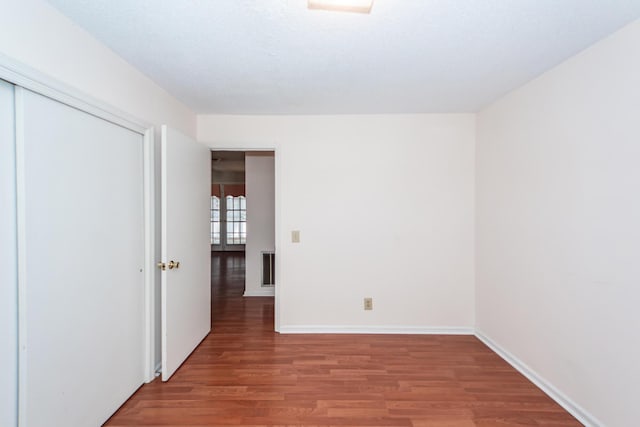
80, 263
185, 204
8, 255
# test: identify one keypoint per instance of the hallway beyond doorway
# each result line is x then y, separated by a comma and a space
228, 274
230, 310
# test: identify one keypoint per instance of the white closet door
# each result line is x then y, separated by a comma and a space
81, 252
8, 255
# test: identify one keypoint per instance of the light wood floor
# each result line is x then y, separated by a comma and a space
244, 374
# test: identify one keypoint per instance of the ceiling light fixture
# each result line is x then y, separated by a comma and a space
359, 6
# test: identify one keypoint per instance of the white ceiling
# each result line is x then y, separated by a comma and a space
407, 56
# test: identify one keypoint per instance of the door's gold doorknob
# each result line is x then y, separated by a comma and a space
162, 266
173, 264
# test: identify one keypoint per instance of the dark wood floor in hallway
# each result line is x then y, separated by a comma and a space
244, 374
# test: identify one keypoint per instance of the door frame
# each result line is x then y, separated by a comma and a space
28, 78
8, 275
277, 156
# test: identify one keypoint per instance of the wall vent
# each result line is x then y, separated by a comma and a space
268, 268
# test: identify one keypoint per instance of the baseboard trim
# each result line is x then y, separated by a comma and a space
260, 293
405, 330
561, 399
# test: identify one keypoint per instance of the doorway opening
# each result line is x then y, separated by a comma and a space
242, 231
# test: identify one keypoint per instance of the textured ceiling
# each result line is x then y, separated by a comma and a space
278, 57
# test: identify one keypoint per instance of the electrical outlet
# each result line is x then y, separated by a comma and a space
368, 303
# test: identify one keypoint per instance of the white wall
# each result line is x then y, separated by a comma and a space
558, 227
37, 35
385, 207
260, 188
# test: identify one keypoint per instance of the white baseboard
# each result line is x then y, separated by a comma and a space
573, 408
339, 329
268, 292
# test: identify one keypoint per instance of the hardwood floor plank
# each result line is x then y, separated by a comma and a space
244, 374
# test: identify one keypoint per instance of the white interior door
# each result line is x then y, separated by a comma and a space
186, 289
80, 263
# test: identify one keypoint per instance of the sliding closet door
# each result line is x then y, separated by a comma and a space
8, 272
81, 252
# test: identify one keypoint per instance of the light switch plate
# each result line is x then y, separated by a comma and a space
295, 236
